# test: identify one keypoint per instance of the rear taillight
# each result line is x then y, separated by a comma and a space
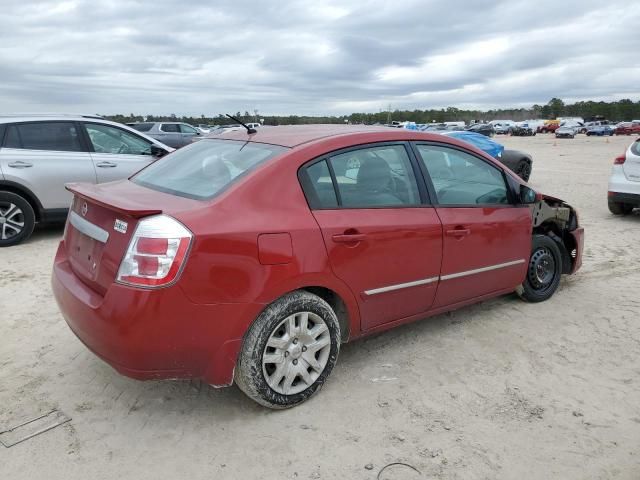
156, 253
619, 160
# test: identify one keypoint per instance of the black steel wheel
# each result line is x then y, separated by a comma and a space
543, 271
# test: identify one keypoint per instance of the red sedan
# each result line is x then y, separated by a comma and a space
627, 128
253, 257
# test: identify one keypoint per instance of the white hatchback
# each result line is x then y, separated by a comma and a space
624, 182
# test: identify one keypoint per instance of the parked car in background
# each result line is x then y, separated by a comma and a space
503, 127
565, 132
482, 128
523, 130
174, 134
477, 140
519, 162
624, 182
251, 259
600, 130
39, 154
534, 124
627, 128
550, 126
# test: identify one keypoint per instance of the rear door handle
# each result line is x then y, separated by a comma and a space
20, 164
458, 232
349, 237
106, 164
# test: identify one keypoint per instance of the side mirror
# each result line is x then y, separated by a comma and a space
157, 151
527, 195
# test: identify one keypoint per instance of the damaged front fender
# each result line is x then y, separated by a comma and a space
558, 220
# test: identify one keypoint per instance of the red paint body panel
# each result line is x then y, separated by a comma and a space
149, 334
399, 246
484, 246
274, 248
257, 241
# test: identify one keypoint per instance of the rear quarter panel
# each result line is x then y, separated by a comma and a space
224, 264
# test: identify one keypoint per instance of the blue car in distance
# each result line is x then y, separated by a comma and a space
519, 162
478, 140
600, 130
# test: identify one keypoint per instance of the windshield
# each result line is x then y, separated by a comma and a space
203, 169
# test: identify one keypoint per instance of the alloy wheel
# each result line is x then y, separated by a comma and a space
296, 353
11, 220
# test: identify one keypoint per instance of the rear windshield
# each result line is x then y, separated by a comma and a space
142, 127
205, 168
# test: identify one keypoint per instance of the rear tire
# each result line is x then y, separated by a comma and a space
543, 272
618, 208
289, 351
17, 219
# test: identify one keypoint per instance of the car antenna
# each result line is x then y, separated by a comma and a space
249, 129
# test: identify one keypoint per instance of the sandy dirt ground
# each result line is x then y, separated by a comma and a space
501, 390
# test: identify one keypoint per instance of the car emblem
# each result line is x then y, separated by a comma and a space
85, 209
120, 226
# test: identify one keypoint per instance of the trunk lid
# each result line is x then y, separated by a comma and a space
102, 220
631, 166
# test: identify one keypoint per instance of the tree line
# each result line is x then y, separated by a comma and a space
621, 110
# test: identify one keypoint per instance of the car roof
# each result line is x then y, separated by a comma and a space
17, 118
295, 135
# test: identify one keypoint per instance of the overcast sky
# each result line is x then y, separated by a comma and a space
313, 57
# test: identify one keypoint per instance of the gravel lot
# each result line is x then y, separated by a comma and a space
501, 390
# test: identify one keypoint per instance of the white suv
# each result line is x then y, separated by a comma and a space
39, 154
624, 183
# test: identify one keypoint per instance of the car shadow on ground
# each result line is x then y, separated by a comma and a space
45, 232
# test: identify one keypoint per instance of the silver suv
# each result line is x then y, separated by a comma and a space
39, 154
174, 134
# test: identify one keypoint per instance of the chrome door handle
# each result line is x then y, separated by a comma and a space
106, 164
20, 164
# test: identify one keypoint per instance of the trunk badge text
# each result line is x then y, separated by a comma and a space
120, 226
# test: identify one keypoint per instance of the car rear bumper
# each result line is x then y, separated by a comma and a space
621, 187
628, 198
153, 334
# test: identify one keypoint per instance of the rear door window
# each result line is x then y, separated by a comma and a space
203, 169
54, 136
108, 139
375, 177
370, 177
187, 129
318, 186
170, 128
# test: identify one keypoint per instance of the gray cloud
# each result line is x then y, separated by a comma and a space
318, 57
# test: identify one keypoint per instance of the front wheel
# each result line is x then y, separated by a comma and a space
289, 351
543, 272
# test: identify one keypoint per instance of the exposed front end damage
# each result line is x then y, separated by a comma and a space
558, 220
